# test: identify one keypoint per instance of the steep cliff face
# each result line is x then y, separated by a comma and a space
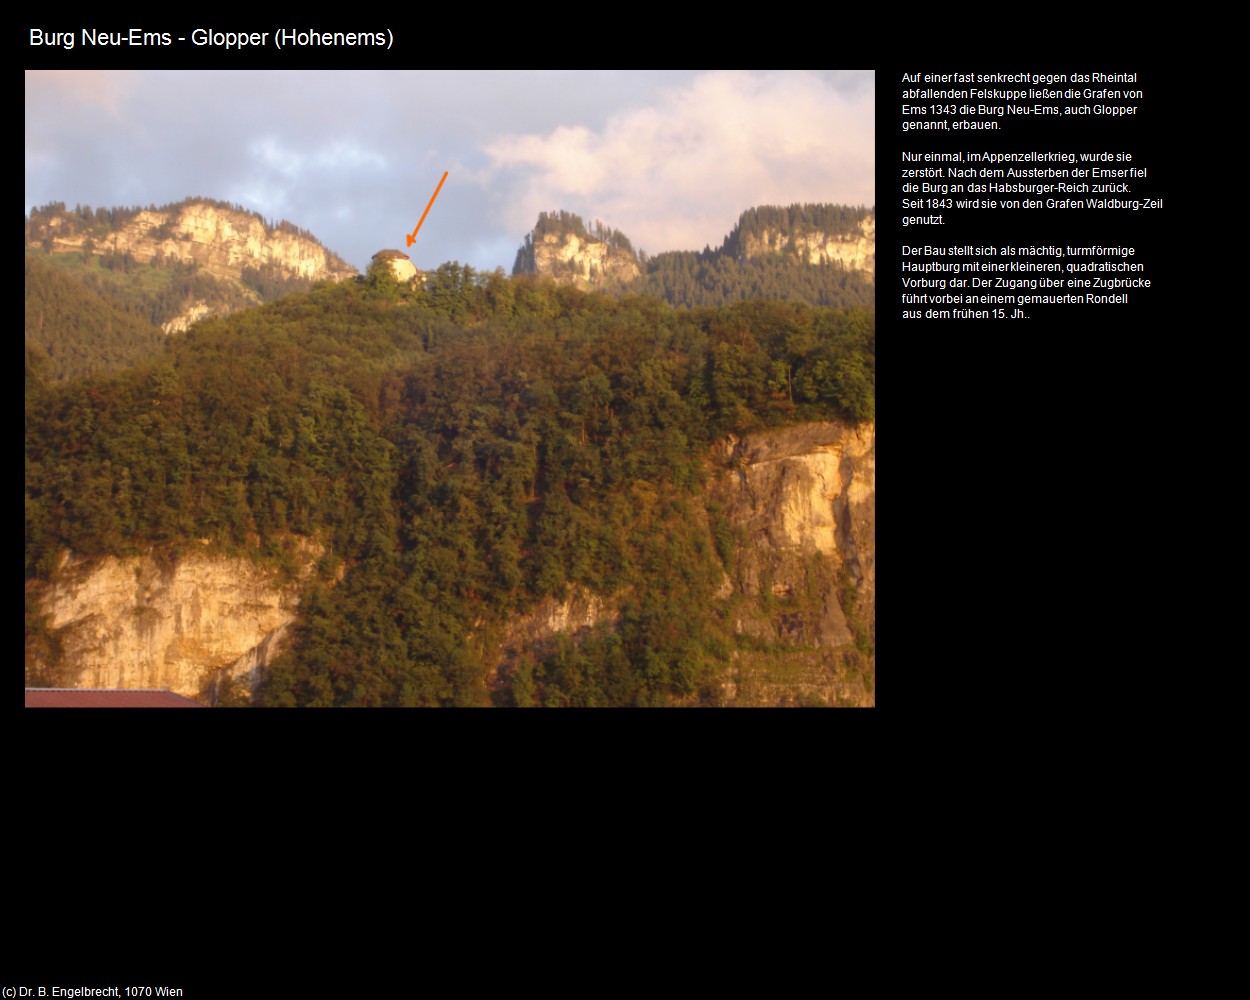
221, 241
182, 263
800, 580
801, 491
801, 503
581, 261
135, 623
794, 512
855, 251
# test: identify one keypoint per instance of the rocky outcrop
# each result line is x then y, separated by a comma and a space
801, 503
796, 505
221, 241
139, 623
800, 506
573, 615
582, 261
194, 312
800, 492
855, 251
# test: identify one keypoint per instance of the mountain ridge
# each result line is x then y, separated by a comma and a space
175, 231
183, 261
820, 253
465, 454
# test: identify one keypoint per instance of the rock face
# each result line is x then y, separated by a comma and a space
800, 503
195, 312
798, 493
221, 241
855, 252
133, 623
579, 611
582, 261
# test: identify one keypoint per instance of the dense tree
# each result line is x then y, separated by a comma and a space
729, 274
80, 330
461, 451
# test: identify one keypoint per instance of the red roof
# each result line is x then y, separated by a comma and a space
105, 698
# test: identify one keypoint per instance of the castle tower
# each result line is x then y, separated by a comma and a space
402, 267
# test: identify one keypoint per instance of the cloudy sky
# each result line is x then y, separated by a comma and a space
670, 158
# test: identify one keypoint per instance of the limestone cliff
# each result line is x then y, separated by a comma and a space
137, 623
221, 240
823, 254
182, 263
856, 251
793, 511
193, 312
800, 506
578, 260
802, 491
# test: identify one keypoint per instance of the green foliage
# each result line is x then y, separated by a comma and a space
796, 219
79, 330
725, 275
853, 389
461, 451
865, 641
715, 278
271, 282
562, 225
48, 222
95, 310
381, 279
157, 292
453, 290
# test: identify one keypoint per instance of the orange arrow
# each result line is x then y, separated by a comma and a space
412, 237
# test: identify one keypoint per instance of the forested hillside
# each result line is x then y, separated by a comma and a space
167, 266
766, 222
50, 224
74, 328
713, 278
812, 253
461, 450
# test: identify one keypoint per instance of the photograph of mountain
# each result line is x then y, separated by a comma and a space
593, 426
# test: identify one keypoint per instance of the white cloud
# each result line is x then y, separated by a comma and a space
677, 174
274, 156
669, 158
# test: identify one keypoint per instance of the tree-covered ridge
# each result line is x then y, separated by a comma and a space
157, 291
161, 291
562, 224
715, 277
75, 328
462, 450
712, 278
725, 275
53, 219
795, 220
